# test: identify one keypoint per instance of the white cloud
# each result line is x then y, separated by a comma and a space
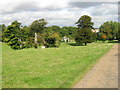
56, 12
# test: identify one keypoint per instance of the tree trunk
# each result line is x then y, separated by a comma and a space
21, 43
36, 40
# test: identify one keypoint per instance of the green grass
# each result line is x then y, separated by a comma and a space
51, 67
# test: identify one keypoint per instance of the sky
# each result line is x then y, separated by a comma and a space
58, 12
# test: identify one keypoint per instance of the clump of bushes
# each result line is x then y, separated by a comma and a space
53, 40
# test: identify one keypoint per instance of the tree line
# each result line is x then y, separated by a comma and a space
38, 34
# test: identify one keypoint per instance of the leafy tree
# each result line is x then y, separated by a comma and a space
13, 36
64, 31
84, 33
72, 32
68, 31
108, 29
51, 38
26, 37
55, 28
37, 27
84, 36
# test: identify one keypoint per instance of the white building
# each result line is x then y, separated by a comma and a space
65, 39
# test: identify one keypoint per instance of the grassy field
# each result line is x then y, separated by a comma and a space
51, 67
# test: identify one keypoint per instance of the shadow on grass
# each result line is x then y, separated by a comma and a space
114, 42
75, 44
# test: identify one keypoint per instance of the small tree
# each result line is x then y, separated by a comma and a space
84, 34
51, 38
37, 27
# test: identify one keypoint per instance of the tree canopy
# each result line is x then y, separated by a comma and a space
85, 22
85, 26
108, 30
37, 34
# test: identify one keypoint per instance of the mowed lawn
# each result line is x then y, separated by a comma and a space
51, 67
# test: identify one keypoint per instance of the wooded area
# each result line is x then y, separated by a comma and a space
37, 34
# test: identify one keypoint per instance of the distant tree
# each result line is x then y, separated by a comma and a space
68, 31
64, 31
26, 37
108, 29
52, 38
72, 32
118, 34
37, 27
56, 28
2, 29
84, 33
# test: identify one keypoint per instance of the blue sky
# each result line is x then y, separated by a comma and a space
58, 12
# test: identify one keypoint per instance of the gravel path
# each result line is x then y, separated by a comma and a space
104, 74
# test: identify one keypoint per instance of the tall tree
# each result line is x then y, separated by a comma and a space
85, 26
37, 27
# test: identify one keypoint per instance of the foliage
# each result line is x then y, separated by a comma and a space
68, 32
26, 37
84, 34
13, 35
17, 36
94, 36
55, 28
2, 29
118, 33
36, 27
108, 29
52, 38
85, 22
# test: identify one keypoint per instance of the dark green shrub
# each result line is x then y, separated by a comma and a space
35, 45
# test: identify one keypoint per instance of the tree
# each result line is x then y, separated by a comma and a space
37, 27
118, 34
55, 28
84, 33
12, 35
64, 31
26, 37
68, 31
51, 37
108, 29
2, 29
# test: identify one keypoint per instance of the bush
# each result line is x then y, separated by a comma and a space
53, 40
35, 45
